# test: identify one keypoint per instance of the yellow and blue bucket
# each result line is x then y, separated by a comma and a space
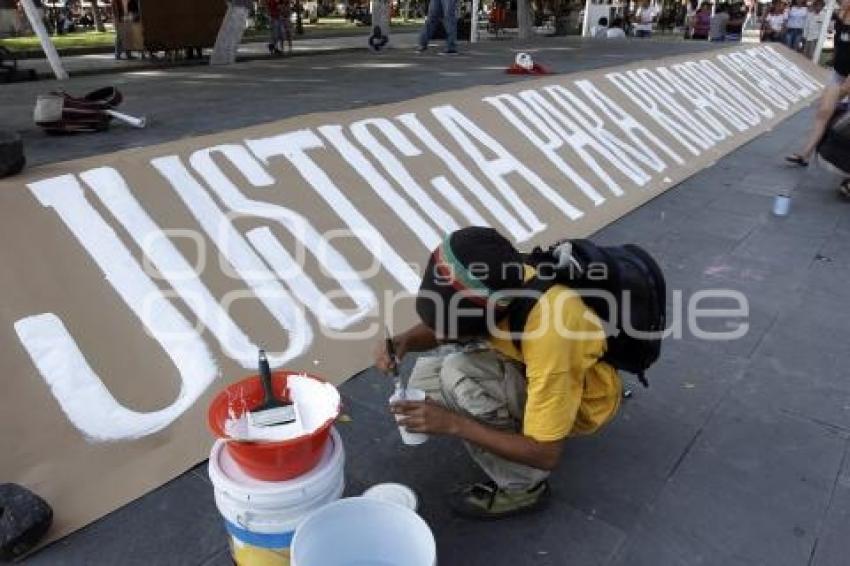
261, 516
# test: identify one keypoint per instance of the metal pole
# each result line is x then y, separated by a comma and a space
473, 30
47, 45
824, 31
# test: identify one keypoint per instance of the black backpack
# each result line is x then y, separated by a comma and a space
834, 147
627, 274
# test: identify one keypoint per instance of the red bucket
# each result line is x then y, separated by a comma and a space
270, 461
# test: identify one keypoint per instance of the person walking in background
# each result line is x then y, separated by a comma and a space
445, 11
773, 25
812, 29
701, 22
285, 7
119, 17
837, 90
795, 24
719, 23
275, 27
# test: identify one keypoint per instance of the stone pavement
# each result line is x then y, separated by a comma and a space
736, 455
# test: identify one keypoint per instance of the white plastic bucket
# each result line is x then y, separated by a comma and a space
365, 532
261, 516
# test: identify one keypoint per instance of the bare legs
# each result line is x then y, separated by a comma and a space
833, 94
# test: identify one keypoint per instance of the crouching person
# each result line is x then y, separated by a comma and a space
513, 400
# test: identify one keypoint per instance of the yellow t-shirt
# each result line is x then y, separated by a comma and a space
570, 391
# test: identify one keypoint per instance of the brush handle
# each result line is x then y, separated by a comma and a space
266, 377
392, 355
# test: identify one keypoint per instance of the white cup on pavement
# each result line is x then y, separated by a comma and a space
409, 438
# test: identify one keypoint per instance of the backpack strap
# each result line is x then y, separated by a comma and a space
522, 306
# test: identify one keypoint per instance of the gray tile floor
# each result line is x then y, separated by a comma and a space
737, 454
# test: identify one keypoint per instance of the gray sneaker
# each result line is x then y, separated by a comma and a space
421, 49
449, 52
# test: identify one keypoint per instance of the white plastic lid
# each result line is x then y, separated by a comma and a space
393, 493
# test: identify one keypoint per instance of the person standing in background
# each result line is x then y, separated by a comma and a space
286, 23
600, 30
812, 29
795, 24
645, 16
445, 11
719, 23
275, 27
773, 26
118, 18
616, 30
701, 22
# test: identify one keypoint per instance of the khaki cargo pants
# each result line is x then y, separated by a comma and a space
489, 387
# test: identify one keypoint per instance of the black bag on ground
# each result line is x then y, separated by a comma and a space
834, 148
623, 277
24, 519
12, 158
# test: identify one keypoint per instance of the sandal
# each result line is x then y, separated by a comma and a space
844, 189
797, 159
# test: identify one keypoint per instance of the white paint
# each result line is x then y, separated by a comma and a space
81, 394
742, 67
751, 106
574, 106
362, 131
788, 84
466, 133
509, 221
628, 124
316, 403
640, 86
701, 112
114, 193
382, 188
286, 267
710, 97
807, 83
83, 397
303, 287
294, 146
551, 141
241, 257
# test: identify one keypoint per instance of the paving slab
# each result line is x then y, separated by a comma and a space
752, 491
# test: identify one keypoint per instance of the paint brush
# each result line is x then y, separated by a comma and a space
401, 383
272, 411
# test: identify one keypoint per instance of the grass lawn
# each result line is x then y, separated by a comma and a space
326, 27
69, 40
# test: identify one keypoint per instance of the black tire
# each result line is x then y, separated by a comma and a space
12, 158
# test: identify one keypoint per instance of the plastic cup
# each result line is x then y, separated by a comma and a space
781, 205
411, 394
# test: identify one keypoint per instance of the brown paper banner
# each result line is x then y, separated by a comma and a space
137, 284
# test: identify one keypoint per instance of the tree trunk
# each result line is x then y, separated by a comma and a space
37, 24
230, 34
524, 18
380, 10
